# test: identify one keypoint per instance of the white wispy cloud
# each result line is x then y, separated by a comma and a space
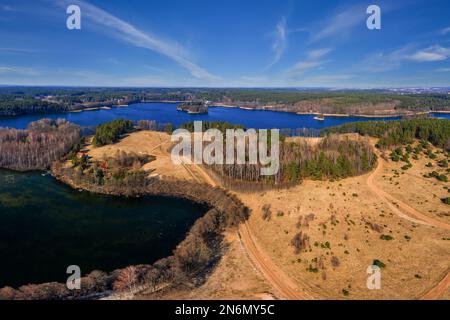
313, 60
318, 53
16, 50
386, 61
126, 32
339, 24
19, 70
391, 60
431, 54
443, 70
280, 41
445, 31
424, 56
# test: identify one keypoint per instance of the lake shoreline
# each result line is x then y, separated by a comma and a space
356, 115
165, 113
70, 187
214, 200
256, 108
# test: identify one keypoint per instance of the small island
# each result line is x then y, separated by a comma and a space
194, 107
320, 117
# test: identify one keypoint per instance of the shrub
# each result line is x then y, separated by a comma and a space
443, 163
386, 237
312, 269
378, 263
335, 261
126, 280
375, 227
266, 213
300, 242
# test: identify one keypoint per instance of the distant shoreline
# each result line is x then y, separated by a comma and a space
390, 115
257, 108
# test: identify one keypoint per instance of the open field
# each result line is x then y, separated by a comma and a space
146, 143
347, 224
349, 221
416, 258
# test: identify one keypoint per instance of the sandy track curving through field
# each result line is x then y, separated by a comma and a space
277, 279
282, 283
438, 290
272, 273
390, 200
444, 284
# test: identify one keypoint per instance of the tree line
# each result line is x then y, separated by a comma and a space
38, 146
435, 131
29, 106
110, 132
333, 157
20, 100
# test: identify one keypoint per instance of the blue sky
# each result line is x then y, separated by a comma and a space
225, 43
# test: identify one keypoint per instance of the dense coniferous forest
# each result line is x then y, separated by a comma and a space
435, 131
29, 106
332, 158
38, 146
110, 132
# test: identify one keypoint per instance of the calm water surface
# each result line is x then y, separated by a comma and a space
166, 112
46, 226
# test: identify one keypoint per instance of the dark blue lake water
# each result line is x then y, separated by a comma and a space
45, 226
167, 112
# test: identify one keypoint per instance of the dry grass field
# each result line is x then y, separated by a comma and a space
352, 227
345, 226
146, 143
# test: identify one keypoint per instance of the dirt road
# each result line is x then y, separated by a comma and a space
278, 280
438, 290
419, 217
396, 204
282, 283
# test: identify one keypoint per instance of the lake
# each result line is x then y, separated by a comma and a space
167, 112
45, 226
